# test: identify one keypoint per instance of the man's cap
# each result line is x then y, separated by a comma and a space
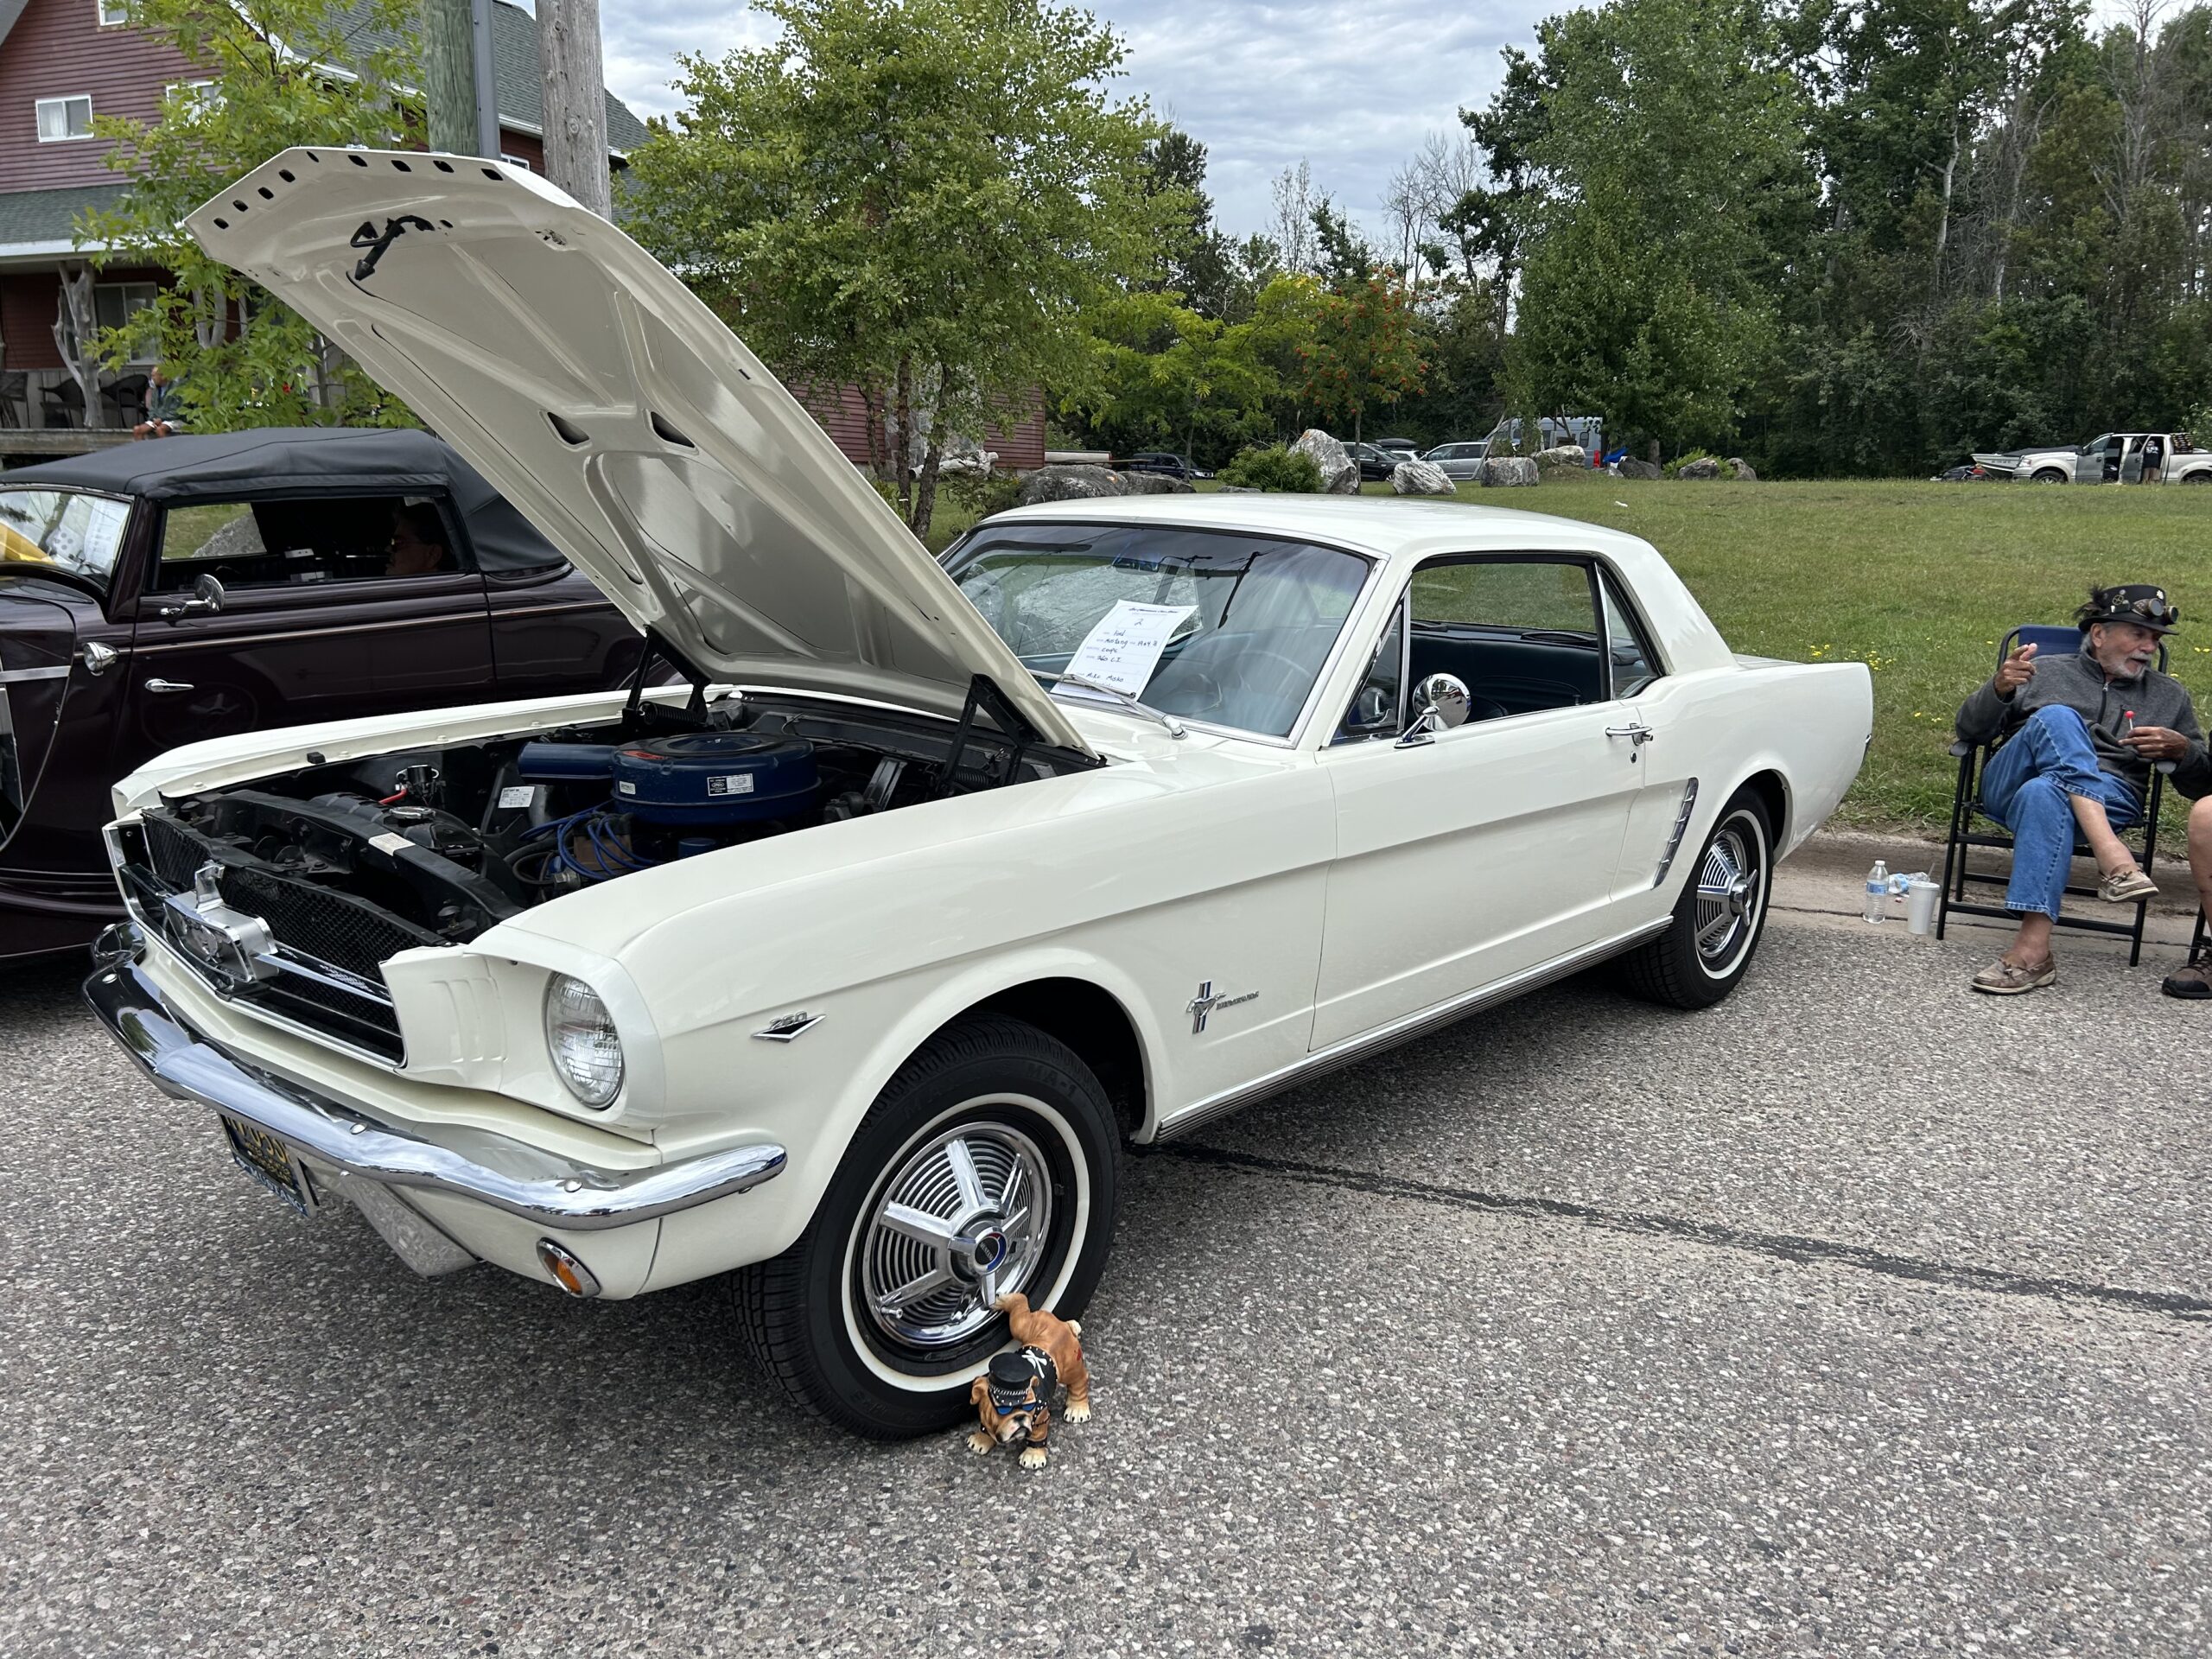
2139, 602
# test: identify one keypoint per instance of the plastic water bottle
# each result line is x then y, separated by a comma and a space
1878, 892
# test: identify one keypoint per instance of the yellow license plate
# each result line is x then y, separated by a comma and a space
268, 1160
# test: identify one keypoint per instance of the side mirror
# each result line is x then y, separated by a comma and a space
1443, 702
207, 595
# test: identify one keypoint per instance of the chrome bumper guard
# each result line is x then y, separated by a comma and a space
506, 1173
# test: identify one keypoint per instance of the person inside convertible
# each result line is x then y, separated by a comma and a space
419, 540
2075, 740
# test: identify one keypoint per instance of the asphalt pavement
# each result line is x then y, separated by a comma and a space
1857, 1316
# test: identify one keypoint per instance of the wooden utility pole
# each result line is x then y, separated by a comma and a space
457, 77
575, 101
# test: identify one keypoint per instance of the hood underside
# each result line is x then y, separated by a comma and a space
628, 424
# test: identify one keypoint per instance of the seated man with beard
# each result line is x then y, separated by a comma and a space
2076, 737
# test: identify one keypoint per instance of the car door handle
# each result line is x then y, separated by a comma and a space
1637, 734
166, 687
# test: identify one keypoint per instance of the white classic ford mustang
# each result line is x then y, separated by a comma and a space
854, 967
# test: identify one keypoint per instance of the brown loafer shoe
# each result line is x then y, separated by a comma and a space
2193, 980
2126, 886
2003, 978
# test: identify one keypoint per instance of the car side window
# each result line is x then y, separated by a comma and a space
1635, 664
1377, 708
1522, 634
265, 545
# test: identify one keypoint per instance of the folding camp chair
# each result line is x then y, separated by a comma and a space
1967, 816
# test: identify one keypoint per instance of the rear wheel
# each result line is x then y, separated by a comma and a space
1719, 918
991, 1163
2051, 475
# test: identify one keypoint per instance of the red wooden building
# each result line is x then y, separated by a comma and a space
64, 61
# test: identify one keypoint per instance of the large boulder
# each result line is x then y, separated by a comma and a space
1071, 484
1703, 467
1509, 473
1565, 458
1156, 484
1339, 472
1421, 477
1742, 468
1629, 466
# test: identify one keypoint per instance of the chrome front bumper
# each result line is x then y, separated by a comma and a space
499, 1170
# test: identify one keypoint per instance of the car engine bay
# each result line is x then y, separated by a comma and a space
438, 844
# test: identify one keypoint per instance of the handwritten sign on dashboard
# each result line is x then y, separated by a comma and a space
1124, 648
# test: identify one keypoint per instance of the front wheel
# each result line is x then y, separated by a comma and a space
990, 1163
1719, 918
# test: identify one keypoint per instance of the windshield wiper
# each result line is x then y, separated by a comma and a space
1174, 726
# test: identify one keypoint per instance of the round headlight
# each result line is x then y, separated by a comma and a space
581, 1036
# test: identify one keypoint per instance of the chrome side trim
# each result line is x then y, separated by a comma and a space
14, 675
1354, 1049
156, 647
1681, 827
507, 1174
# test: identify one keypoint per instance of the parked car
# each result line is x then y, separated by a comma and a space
157, 593
2108, 458
859, 979
1459, 460
1373, 464
1404, 446
1160, 461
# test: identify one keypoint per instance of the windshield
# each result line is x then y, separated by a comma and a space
62, 530
1231, 630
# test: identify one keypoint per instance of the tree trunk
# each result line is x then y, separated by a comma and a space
902, 445
925, 496
1943, 219
74, 325
872, 416
575, 101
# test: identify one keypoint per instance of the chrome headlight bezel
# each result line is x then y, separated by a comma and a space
582, 1043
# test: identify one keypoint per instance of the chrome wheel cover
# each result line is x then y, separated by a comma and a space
963, 1219
1730, 889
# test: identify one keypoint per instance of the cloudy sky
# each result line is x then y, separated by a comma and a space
1351, 87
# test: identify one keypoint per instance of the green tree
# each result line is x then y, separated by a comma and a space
1667, 190
1361, 353
918, 198
281, 72
1164, 375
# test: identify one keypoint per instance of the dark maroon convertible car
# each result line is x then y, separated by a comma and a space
158, 593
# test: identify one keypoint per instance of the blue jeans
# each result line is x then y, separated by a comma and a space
2027, 786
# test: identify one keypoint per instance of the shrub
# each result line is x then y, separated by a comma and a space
980, 496
1274, 467
1673, 469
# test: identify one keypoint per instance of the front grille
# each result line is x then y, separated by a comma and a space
330, 946
332, 927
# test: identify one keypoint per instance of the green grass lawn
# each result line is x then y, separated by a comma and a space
1918, 580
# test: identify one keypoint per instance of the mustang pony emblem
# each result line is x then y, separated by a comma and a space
1204, 1004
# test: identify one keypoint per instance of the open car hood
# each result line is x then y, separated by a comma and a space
628, 424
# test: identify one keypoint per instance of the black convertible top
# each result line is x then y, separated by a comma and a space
280, 460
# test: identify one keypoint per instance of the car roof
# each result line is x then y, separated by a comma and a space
1395, 529
277, 460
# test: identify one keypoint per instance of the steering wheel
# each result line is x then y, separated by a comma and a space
1288, 675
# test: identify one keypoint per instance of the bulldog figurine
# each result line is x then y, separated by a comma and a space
1015, 1397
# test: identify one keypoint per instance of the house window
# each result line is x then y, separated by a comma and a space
200, 94
64, 117
114, 13
116, 303
514, 160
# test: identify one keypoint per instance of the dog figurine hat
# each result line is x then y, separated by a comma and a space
1014, 1398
